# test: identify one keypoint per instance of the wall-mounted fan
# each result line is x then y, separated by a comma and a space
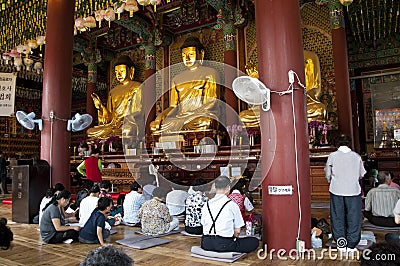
28, 121
252, 91
79, 122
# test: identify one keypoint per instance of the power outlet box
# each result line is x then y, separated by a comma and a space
300, 246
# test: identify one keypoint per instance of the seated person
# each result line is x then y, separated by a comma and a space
107, 255
222, 221
194, 204
149, 184
6, 235
88, 204
175, 202
46, 199
52, 225
94, 231
193, 94
380, 202
132, 204
124, 104
154, 215
391, 183
239, 197
105, 187
394, 238
84, 192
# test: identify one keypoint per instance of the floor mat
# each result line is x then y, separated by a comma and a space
166, 234
368, 226
187, 234
142, 242
198, 252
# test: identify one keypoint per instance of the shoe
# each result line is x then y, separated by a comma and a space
68, 241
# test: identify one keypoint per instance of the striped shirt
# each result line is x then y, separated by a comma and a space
382, 200
132, 203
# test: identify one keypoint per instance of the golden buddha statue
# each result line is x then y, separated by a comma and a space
193, 94
251, 117
124, 102
316, 110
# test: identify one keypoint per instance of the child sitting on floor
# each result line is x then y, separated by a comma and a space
94, 231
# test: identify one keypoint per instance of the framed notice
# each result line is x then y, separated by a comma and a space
7, 93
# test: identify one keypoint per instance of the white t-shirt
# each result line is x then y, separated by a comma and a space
229, 218
86, 208
43, 204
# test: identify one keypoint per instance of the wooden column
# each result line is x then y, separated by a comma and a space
280, 49
149, 87
340, 62
57, 92
230, 60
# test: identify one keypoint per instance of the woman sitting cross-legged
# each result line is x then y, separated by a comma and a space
154, 215
239, 197
52, 225
194, 203
94, 231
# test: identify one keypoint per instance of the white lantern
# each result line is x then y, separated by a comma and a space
38, 66
28, 63
18, 63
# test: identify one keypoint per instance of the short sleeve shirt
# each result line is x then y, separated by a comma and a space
47, 229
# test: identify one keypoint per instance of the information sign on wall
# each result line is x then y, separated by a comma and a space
7, 93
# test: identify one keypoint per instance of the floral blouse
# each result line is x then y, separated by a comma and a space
194, 204
154, 217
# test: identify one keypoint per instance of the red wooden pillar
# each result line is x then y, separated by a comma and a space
57, 84
149, 88
280, 49
230, 60
340, 62
90, 88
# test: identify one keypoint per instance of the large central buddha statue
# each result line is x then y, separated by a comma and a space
193, 94
123, 112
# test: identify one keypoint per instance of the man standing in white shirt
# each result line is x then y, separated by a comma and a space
222, 220
344, 168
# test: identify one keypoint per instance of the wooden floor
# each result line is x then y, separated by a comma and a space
28, 249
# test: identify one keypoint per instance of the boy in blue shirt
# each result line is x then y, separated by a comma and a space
94, 231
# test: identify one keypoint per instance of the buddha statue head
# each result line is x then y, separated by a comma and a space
124, 70
192, 52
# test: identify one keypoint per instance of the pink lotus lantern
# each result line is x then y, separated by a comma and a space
109, 15
7, 57
14, 53
40, 41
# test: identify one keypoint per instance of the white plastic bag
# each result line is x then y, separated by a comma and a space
316, 242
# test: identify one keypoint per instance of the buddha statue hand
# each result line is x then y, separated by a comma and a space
97, 101
103, 114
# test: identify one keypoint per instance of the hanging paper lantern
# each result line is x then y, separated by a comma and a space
144, 2
14, 53
28, 63
38, 66
346, 2
80, 24
6, 57
99, 16
18, 63
109, 15
40, 41
89, 22
119, 9
32, 44
131, 6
